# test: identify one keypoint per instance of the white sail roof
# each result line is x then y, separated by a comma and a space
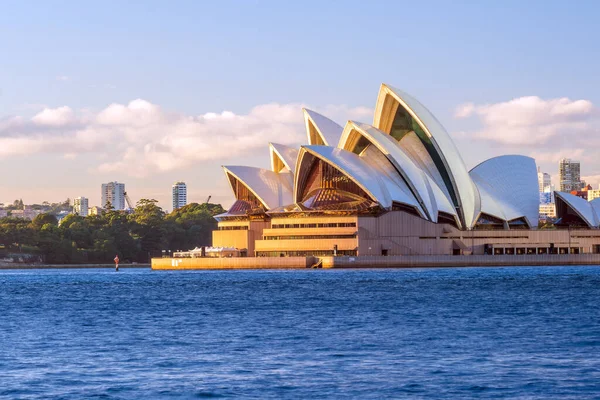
596, 206
509, 186
487, 203
395, 185
271, 188
442, 201
412, 146
426, 191
453, 164
320, 129
283, 157
585, 209
351, 165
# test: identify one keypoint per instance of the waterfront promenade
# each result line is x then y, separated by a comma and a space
5, 266
374, 262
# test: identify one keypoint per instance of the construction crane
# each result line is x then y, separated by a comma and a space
208, 199
128, 201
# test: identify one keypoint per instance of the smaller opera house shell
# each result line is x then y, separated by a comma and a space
397, 186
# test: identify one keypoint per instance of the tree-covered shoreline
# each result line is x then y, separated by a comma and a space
134, 237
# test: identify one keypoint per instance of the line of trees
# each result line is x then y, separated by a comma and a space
45, 206
98, 238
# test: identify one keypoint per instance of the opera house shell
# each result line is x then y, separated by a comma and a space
397, 186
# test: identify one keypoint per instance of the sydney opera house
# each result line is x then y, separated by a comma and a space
397, 186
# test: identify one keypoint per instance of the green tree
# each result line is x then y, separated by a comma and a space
97, 238
76, 229
192, 225
16, 232
54, 247
118, 229
148, 226
43, 219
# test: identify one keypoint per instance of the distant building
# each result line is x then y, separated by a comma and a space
3, 213
113, 192
179, 195
544, 181
546, 197
569, 175
95, 210
26, 213
583, 193
580, 193
547, 210
80, 206
593, 194
61, 216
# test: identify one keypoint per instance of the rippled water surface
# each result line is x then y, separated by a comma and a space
435, 333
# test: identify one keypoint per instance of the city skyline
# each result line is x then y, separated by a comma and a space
546, 183
164, 114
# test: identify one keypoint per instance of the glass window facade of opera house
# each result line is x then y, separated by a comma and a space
396, 186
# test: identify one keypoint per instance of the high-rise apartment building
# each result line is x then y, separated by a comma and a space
179, 195
569, 175
80, 206
544, 181
113, 192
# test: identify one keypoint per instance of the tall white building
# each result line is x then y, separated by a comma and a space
179, 195
569, 175
113, 192
80, 206
544, 181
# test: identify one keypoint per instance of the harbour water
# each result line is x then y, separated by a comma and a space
432, 333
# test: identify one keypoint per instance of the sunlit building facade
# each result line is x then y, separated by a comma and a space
593, 194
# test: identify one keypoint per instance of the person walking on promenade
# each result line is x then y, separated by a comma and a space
117, 262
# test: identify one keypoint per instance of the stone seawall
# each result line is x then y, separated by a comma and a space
460, 261
373, 262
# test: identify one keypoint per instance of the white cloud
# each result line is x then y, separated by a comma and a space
554, 155
593, 180
141, 138
62, 78
532, 121
60, 116
10, 146
464, 110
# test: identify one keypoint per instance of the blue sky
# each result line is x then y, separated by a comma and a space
191, 58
